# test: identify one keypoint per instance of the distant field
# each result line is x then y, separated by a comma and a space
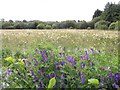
19, 39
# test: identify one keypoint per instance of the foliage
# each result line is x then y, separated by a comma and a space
112, 26
97, 13
117, 25
102, 25
41, 26
111, 12
52, 82
82, 25
63, 69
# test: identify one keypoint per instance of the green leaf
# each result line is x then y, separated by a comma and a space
10, 59
93, 81
52, 82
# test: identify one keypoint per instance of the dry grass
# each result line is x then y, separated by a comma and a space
28, 39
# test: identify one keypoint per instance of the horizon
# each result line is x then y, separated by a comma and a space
52, 10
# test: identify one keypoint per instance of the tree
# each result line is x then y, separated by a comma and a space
97, 13
111, 12
41, 26
82, 25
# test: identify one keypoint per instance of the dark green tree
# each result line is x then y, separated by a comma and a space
97, 13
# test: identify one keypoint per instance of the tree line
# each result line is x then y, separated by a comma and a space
109, 18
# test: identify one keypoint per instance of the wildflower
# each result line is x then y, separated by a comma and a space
34, 76
117, 77
82, 77
103, 79
61, 54
9, 72
36, 62
111, 77
57, 66
82, 64
91, 64
62, 63
92, 50
41, 83
115, 85
86, 55
43, 55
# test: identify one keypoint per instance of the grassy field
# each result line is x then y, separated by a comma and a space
19, 39
76, 58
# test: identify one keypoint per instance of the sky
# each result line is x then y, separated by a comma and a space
51, 10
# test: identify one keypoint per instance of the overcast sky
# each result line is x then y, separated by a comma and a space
50, 10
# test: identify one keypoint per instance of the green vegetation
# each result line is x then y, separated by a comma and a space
60, 59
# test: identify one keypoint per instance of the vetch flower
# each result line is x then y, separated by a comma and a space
117, 77
115, 85
62, 63
91, 64
92, 50
82, 77
9, 72
36, 62
82, 64
41, 83
86, 55
43, 55
110, 76
103, 79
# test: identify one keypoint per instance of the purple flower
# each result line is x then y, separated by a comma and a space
57, 66
111, 77
62, 63
9, 72
91, 64
31, 71
103, 79
41, 83
86, 55
71, 60
84, 58
115, 85
92, 50
117, 77
82, 64
43, 55
61, 54
34, 76
82, 77
39, 71
34, 81
36, 62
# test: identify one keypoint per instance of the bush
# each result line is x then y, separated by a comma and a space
117, 25
48, 27
82, 25
41, 26
112, 26
102, 24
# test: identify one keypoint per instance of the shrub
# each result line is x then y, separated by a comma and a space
102, 24
117, 25
48, 27
112, 26
41, 26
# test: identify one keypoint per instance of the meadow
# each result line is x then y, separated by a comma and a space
62, 58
